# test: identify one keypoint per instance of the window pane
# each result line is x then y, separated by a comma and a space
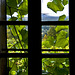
17, 10
17, 66
55, 66
17, 36
55, 37
51, 10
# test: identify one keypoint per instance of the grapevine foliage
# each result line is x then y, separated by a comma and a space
57, 5
18, 6
57, 38
18, 66
17, 37
55, 66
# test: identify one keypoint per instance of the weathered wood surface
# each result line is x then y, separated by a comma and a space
2, 10
2, 38
3, 64
3, 61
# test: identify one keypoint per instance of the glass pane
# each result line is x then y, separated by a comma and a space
55, 66
17, 36
55, 37
17, 10
51, 10
17, 66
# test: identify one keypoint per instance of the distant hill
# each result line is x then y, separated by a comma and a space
45, 17
24, 19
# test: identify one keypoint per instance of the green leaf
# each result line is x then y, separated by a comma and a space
23, 73
61, 39
12, 11
13, 72
23, 8
55, 5
46, 44
62, 18
58, 28
11, 3
20, 27
52, 6
18, 1
60, 66
51, 41
11, 7
14, 68
24, 34
55, 67
65, 2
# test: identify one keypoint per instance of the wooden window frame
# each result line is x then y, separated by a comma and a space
34, 39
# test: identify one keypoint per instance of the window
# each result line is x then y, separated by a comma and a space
26, 52
55, 37
14, 37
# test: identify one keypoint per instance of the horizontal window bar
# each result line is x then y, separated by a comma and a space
15, 49
13, 54
55, 23
14, 23
55, 55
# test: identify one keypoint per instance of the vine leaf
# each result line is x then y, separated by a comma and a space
62, 18
12, 3
23, 8
59, 28
24, 34
61, 39
65, 2
57, 5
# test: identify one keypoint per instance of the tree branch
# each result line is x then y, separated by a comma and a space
18, 37
13, 36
